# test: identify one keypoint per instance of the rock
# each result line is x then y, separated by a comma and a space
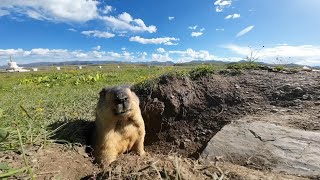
274, 110
298, 91
183, 145
267, 146
306, 68
297, 101
306, 97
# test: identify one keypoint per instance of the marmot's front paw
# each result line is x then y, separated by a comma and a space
141, 153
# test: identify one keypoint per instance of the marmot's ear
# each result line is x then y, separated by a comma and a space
127, 86
104, 91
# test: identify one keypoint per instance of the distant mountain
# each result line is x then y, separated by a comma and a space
202, 62
166, 63
68, 63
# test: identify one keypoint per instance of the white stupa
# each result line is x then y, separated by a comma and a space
13, 67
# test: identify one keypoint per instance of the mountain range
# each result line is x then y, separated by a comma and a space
164, 63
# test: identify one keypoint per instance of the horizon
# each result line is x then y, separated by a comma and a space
224, 30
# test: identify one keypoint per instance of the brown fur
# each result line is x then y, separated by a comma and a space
117, 134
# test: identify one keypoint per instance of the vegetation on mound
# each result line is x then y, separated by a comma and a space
193, 73
243, 65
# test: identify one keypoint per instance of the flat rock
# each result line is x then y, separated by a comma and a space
264, 145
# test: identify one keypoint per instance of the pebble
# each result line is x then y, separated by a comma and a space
305, 97
298, 89
298, 101
183, 145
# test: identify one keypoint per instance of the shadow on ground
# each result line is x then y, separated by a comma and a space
77, 131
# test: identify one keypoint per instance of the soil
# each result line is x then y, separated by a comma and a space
181, 115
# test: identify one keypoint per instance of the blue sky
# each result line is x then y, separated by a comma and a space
146, 30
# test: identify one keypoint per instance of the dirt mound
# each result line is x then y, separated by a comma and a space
182, 113
62, 162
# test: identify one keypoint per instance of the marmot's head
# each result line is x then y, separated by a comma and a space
120, 99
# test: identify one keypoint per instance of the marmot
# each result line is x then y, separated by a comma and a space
119, 126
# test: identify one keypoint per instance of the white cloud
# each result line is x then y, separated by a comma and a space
71, 29
170, 43
245, 31
40, 51
8, 52
203, 55
56, 55
219, 29
193, 27
143, 56
161, 50
196, 34
114, 54
125, 22
35, 15
79, 11
161, 57
170, 18
232, 16
107, 9
304, 54
164, 40
81, 55
4, 12
221, 4
99, 34
191, 54
54, 10
4, 53
127, 55
98, 54
125, 17
97, 48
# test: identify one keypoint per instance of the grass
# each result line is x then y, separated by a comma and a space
243, 65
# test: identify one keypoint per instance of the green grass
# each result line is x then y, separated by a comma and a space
243, 65
32, 101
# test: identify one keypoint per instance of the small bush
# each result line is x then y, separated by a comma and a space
201, 71
279, 68
242, 66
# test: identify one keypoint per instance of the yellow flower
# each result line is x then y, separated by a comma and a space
39, 109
